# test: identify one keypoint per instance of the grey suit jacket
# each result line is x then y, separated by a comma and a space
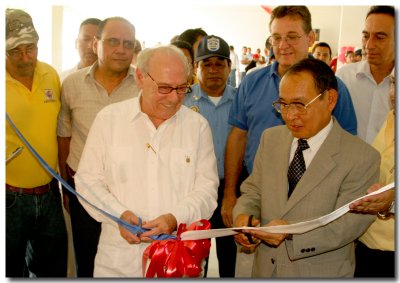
343, 169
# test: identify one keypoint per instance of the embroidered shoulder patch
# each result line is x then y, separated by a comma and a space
48, 95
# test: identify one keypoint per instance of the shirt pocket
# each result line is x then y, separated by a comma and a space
119, 165
182, 165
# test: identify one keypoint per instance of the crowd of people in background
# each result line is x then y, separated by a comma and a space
197, 130
320, 50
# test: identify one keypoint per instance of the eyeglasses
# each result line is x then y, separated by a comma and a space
300, 107
114, 42
17, 53
163, 89
291, 39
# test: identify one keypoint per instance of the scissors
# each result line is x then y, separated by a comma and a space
250, 224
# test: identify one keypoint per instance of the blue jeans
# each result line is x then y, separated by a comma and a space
36, 235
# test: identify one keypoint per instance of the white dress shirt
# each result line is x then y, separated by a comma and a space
314, 144
128, 164
371, 100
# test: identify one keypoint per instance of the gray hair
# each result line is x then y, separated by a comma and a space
167, 50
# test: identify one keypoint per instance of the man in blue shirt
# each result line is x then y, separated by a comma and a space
252, 111
212, 98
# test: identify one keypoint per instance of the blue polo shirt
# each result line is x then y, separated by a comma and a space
216, 115
253, 112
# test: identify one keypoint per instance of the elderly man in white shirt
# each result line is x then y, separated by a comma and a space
148, 157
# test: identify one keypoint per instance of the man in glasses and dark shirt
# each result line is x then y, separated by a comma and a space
148, 160
84, 93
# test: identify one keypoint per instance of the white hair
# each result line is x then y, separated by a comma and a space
146, 54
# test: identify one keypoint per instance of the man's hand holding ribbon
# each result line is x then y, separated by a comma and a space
148, 231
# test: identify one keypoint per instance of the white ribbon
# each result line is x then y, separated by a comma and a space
297, 228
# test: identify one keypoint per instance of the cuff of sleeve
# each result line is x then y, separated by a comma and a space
386, 214
179, 217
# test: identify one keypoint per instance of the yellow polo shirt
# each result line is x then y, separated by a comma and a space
35, 115
380, 235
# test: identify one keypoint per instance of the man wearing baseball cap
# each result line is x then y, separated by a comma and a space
36, 238
212, 98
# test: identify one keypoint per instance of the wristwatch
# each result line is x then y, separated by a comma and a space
387, 213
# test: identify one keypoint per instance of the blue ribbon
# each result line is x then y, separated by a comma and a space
137, 230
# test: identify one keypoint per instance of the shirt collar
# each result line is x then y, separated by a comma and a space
198, 94
315, 141
90, 71
39, 71
137, 110
363, 69
275, 65
274, 69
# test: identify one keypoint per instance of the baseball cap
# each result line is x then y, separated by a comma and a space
19, 29
358, 52
212, 46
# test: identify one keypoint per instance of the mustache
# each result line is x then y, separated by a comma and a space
25, 64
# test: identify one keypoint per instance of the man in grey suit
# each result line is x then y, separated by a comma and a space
339, 167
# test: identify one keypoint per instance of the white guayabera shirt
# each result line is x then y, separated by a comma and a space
128, 164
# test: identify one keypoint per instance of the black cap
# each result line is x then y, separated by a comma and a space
212, 46
358, 52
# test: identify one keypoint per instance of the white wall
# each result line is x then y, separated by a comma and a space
239, 25
158, 21
42, 20
351, 31
327, 20
339, 25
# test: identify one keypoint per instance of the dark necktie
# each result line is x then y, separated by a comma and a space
297, 166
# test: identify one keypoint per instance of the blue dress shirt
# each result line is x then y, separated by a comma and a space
216, 115
253, 112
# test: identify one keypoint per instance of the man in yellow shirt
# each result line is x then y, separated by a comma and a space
36, 239
375, 250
